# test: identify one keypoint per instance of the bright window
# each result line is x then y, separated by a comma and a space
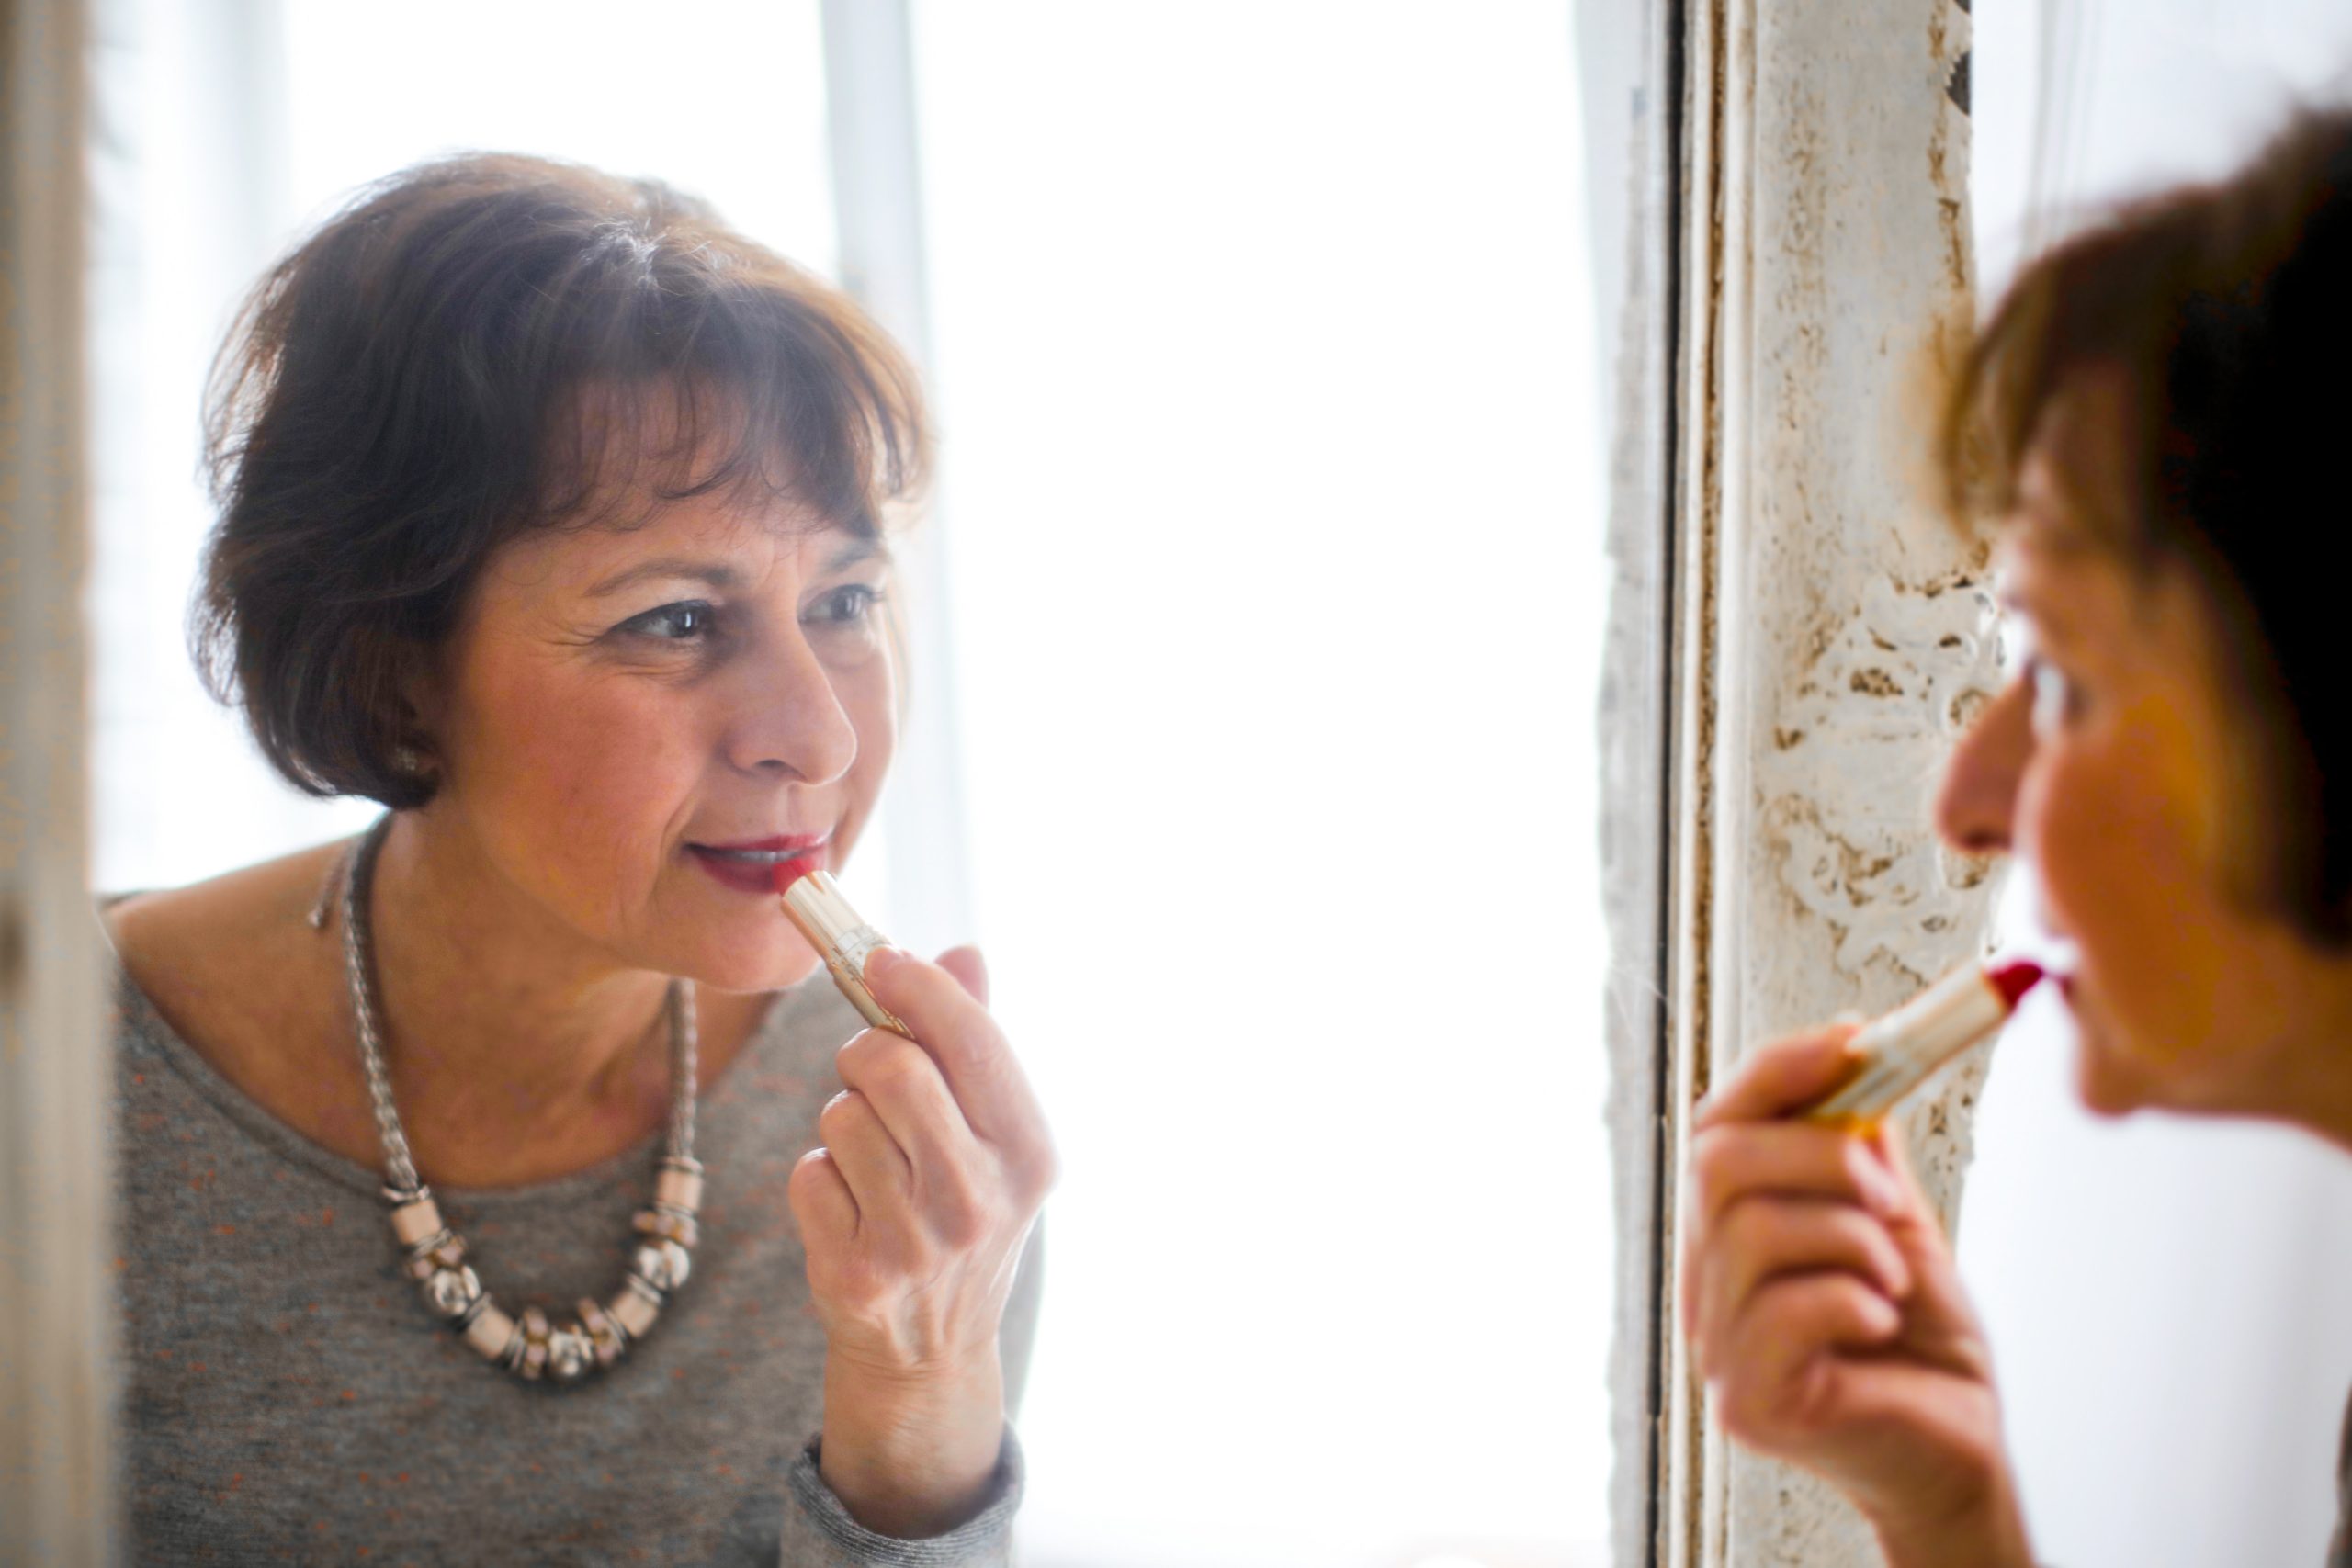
1274, 494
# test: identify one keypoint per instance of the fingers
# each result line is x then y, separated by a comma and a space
820, 1200
1769, 1159
1753, 1170
949, 1023
1884, 1139
869, 1159
1783, 1354
936, 1161
902, 1083
1781, 1078
1762, 1244
1737, 1160
971, 971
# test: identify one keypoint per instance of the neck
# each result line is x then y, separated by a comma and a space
2327, 1108
2303, 1076
516, 1051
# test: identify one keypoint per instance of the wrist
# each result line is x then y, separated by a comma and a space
1985, 1531
912, 1454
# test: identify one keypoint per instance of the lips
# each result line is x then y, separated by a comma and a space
749, 865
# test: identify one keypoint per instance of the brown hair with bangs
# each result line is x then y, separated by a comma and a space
2224, 313
478, 347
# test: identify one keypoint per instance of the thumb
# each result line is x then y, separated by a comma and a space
1785, 1076
971, 971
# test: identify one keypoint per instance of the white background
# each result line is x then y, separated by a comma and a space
1272, 498
2169, 1303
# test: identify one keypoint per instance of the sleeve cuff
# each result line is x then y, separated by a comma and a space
980, 1539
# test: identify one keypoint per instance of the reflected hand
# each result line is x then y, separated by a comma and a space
1822, 1305
914, 1212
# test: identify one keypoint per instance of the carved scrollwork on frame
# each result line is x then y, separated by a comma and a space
1847, 790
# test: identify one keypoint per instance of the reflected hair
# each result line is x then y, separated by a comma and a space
2223, 313
482, 347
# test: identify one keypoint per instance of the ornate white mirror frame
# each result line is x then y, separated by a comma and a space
1802, 268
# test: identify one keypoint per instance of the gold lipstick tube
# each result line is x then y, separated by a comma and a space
813, 902
1901, 1051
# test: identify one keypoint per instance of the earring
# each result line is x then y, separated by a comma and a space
408, 761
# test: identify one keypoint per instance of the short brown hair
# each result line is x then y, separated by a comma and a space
2227, 310
443, 366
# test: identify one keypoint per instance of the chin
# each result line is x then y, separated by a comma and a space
768, 961
2104, 1086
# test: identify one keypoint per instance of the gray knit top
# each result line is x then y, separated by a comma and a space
287, 1397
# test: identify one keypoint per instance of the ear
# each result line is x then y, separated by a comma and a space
420, 693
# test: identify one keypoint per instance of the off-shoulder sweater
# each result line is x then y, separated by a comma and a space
286, 1396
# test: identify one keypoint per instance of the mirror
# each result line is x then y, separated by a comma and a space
1256, 626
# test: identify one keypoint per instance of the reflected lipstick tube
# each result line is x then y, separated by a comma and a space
814, 903
1901, 1051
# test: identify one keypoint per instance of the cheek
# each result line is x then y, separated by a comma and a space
2112, 830
573, 781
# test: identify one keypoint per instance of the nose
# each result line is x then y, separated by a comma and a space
790, 724
1976, 805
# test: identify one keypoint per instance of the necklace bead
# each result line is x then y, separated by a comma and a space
451, 1291
662, 1265
489, 1331
569, 1355
635, 1307
606, 1340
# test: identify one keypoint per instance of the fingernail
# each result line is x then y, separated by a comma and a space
1871, 1183
882, 960
1886, 1192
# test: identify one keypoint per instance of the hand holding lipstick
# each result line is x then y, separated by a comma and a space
914, 1212
1821, 1302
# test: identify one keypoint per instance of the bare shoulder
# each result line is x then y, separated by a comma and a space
235, 967
250, 914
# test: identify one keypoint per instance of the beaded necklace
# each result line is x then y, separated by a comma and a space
434, 1255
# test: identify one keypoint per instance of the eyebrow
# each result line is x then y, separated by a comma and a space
718, 574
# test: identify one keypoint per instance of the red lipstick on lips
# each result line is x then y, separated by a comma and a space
755, 865
2013, 980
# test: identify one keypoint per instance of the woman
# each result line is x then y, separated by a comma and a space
2160, 407
552, 519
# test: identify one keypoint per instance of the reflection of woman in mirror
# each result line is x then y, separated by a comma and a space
2162, 407
552, 519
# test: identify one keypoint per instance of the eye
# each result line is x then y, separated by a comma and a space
2055, 700
845, 605
689, 620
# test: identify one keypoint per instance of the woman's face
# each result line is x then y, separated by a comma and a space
629, 720
2108, 766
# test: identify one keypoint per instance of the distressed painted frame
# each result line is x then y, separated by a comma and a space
57, 1331
1827, 634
